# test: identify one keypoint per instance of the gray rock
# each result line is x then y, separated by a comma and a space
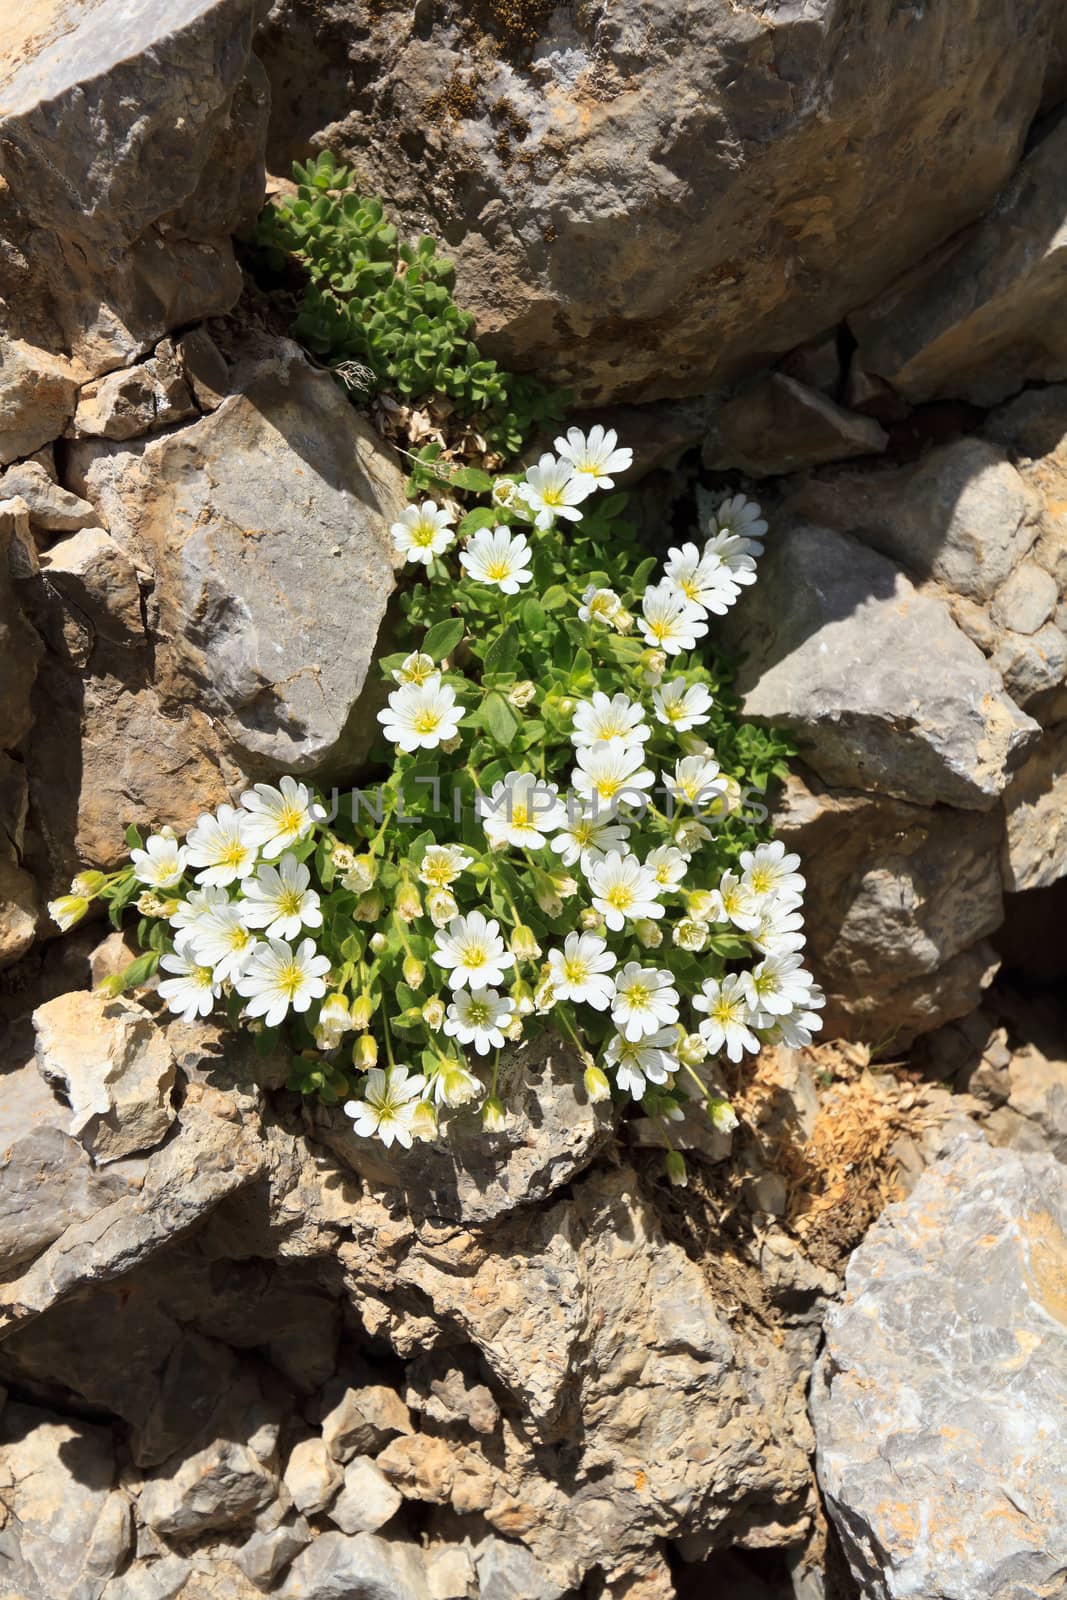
135, 400
1038, 1092
938, 1402
507, 1571
367, 1501
266, 525
118, 226
978, 318
66, 1530
51, 507
1028, 599
361, 1567
115, 1066
962, 515
47, 1184
265, 1556
875, 682
1035, 805
155, 1580
20, 646
38, 392
1032, 424
99, 580
312, 1476
204, 368
450, 1572
221, 1486
787, 162
360, 1421
778, 424
817, 364
1031, 664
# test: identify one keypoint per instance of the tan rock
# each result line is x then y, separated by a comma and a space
52, 508
20, 646
312, 1476
1035, 807
38, 392
135, 400
362, 1420
367, 1500
19, 911
98, 578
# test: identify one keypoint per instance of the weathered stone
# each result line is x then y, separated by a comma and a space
156, 1580
20, 646
312, 1476
47, 1182
367, 1501
938, 1402
788, 163
552, 1132
135, 400
1035, 804
51, 507
204, 368
1027, 599
118, 226
266, 525
221, 1486
19, 911
875, 682
978, 318
265, 1556
1037, 1092
1033, 664
450, 1572
777, 425
38, 393
339, 1567
817, 364
448, 1387
962, 515
360, 1421
65, 1531
507, 1571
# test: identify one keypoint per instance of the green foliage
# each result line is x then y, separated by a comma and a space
373, 299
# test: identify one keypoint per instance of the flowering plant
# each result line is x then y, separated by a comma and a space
569, 833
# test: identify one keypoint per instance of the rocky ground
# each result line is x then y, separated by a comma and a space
816, 251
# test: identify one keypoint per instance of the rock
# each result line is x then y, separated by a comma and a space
1035, 805
118, 227
275, 507
51, 507
312, 1476
552, 1132
20, 647
1027, 599
976, 320
135, 400
218, 1487
47, 1184
38, 393
962, 515
877, 685
507, 1571
448, 1389
265, 1556
1031, 665
99, 581
778, 424
112, 1061
938, 1401
1037, 1090
817, 364
204, 368
19, 912
367, 1501
894, 893
450, 1572
337, 1567
360, 1421
66, 1530
156, 1580
788, 165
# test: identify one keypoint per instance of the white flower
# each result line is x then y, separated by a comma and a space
696, 781
553, 489
669, 621
639, 1062
598, 605
796, 1028
498, 556
199, 904
780, 928
478, 1017
442, 865
474, 951
729, 1016
422, 532
602, 718
278, 978
588, 828
442, 907
667, 865
701, 577
505, 494
223, 846
416, 668
192, 992
219, 939
279, 899
778, 985
645, 1000
335, 1020
689, 934
453, 1085
390, 1106
578, 971
622, 889
689, 835
612, 771
68, 910
161, 862
595, 454
420, 716
734, 902
280, 817
743, 519
768, 870
521, 811
682, 708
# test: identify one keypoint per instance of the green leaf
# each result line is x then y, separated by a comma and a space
480, 517
503, 653
133, 838
555, 598
730, 947
443, 638
471, 478
499, 718
132, 977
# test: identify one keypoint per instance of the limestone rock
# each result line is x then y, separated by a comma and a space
135, 400
360, 1421
98, 578
312, 1476
778, 424
47, 1185
977, 319
507, 1571
204, 368
20, 646
51, 507
1035, 804
962, 515
938, 1402
367, 1501
220, 1486
115, 1066
788, 162
266, 525
1031, 665
1027, 599
873, 679
38, 392
156, 1580
66, 1531
337, 1567
265, 1556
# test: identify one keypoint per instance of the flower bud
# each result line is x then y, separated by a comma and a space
566, 705
433, 1013
565, 885
493, 1115
368, 907
441, 905
676, 1170
151, 905
597, 1086
524, 946
649, 934
361, 1011
722, 1114
506, 494
450, 746
548, 900
342, 856
591, 921
334, 1014
702, 905
623, 620
414, 972
460, 1086
424, 1122
67, 910
521, 694
544, 996
416, 668
513, 1030
692, 1050
365, 1052
690, 935
87, 885
379, 943
408, 904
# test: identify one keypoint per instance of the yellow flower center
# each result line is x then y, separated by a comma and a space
575, 971
473, 956
760, 879
520, 816
498, 571
235, 854
608, 787
620, 897
552, 497
637, 995
423, 534
427, 721
478, 1014
290, 818
290, 978
724, 1010
289, 902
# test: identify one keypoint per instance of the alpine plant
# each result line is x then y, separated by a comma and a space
571, 835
